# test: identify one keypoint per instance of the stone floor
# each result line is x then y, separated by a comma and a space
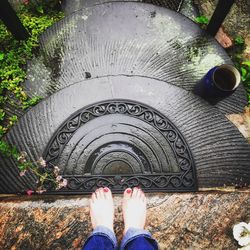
131, 65
242, 122
202, 220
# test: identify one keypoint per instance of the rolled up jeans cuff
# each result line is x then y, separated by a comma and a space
104, 231
133, 233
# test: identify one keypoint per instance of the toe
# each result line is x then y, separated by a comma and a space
101, 192
97, 193
90, 202
140, 194
127, 193
93, 197
143, 197
135, 192
107, 193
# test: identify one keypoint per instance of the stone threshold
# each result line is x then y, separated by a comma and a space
201, 220
34, 197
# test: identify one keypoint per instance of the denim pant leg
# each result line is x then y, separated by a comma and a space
101, 238
138, 239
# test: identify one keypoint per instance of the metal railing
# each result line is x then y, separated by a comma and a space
12, 22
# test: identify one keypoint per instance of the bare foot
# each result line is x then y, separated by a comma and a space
223, 38
134, 209
102, 208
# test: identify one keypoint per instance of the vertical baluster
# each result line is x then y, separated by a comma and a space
12, 22
222, 9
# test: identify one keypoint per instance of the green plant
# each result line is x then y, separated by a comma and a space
243, 66
45, 176
31, 102
245, 77
42, 6
201, 19
239, 40
13, 59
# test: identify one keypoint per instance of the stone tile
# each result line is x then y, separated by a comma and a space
201, 220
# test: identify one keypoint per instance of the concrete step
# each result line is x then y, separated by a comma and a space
221, 154
123, 50
127, 38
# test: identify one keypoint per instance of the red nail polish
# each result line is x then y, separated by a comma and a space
106, 189
129, 191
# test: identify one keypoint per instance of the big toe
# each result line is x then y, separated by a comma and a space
127, 193
107, 193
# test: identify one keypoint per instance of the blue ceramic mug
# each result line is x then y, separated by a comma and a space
219, 81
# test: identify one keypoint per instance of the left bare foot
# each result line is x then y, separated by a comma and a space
102, 208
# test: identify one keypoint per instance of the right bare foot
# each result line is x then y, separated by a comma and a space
134, 209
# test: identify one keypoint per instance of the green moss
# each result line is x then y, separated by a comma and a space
241, 65
201, 20
14, 56
13, 59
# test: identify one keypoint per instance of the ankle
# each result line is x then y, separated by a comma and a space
126, 228
110, 227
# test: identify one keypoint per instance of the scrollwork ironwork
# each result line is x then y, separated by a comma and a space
184, 180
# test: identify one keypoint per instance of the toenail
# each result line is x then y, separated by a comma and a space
129, 190
106, 189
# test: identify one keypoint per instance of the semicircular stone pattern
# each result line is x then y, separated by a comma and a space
120, 109
139, 125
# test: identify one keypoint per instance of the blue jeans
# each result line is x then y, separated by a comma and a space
103, 238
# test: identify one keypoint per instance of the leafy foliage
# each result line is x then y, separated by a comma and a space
13, 59
245, 76
239, 40
45, 176
201, 20
241, 65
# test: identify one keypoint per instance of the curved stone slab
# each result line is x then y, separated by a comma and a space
127, 39
220, 152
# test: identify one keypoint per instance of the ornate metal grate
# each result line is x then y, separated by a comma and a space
121, 144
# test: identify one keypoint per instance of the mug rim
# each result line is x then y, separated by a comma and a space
234, 70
